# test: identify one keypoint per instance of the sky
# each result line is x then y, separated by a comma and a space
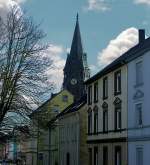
108, 28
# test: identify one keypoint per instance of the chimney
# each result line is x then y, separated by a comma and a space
141, 35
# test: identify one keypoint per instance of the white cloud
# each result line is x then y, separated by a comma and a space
19, 1
68, 50
55, 72
93, 69
145, 2
6, 5
97, 5
116, 47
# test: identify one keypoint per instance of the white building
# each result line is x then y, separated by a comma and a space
133, 114
139, 103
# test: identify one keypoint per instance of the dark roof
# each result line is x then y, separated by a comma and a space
76, 47
128, 56
71, 108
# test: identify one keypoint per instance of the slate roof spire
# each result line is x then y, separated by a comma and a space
77, 18
76, 47
76, 69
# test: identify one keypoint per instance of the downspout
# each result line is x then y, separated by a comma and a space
79, 138
58, 143
49, 160
127, 115
37, 162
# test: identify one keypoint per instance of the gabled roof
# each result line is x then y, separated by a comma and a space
53, 95
71, 108
128, 56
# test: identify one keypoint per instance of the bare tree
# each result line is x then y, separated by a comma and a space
22, 66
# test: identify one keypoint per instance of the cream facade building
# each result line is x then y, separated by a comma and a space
72, 135
38, 151
107, 115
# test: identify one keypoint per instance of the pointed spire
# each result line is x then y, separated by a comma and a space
77, 19
76, 47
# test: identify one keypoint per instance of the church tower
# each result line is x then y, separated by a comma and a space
76, 70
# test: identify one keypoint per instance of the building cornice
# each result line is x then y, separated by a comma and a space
110, 140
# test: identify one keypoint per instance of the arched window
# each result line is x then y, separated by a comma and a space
95, 119
89, 121
117, 116
105, 117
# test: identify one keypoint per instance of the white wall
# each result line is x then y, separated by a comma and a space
139, 136
132, 152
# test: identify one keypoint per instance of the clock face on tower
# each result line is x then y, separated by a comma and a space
73, 81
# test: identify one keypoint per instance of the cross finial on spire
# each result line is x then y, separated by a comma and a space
77, 17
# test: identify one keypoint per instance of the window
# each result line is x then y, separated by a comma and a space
105, 88
105, 155
95, 120
40, 156
89, 121
65, 98
117, 116
117, 82
117, 155
90, 95
139, 114
139, 156
96, 92
95, 155
105, 120
105, 117
139, 73
90, 156
68, 159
